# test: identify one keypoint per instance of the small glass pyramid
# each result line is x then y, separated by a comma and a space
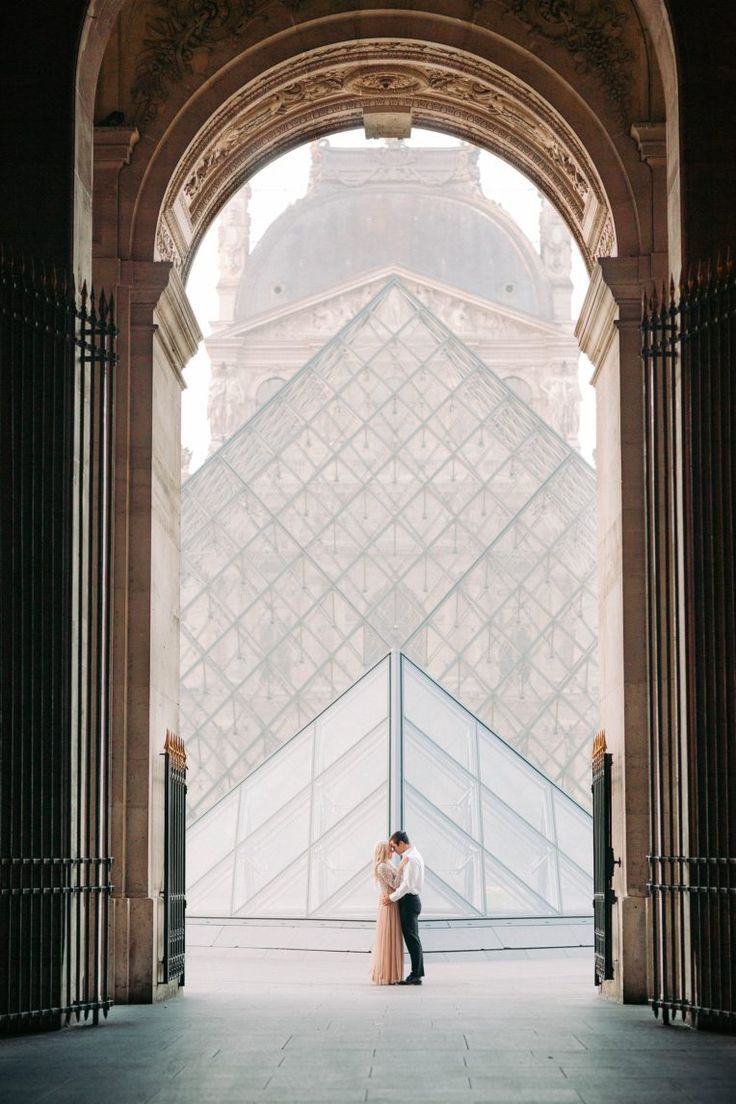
394, 494
295, 838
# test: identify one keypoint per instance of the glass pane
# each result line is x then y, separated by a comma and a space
574, 833
305, 830
439, 717
506, 896
505, 773
505, 861
212, 894
343, 855
577, 891
445, 785
527, 855
276, 783
283, 897
209, 842
364, 709
453, 858
349, 782
264, 854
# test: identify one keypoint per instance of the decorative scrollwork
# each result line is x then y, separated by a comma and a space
166, 249
591, 31
330, 87
184, 32
607, 239
386, 81
296, 94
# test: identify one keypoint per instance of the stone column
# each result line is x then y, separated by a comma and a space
113, 148
158, 336
609, 334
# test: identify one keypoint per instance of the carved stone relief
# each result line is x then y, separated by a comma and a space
591, 31
325, 89
165, 246
180, 37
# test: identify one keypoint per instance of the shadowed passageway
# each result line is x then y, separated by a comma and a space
258, 1025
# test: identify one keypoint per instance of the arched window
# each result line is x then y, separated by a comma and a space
520, 387
267, 389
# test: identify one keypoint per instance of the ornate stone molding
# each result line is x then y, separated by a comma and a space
592, 32
181, 35
327, 89
179, 39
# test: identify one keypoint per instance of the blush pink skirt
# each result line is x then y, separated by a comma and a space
388, 948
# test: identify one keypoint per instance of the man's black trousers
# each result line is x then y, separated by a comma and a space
409, 908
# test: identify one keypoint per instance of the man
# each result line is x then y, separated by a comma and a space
410, 905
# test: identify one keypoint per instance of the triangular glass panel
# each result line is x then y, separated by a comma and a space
492, 827
316, 806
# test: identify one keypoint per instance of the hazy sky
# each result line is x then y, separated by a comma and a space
282, 183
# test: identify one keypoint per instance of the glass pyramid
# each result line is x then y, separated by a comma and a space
394, 494
295, 838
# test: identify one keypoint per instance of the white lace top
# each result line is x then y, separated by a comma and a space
388, 876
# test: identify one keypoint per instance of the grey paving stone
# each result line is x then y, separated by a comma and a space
299, 1030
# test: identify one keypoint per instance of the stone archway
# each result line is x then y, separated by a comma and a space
336, 87
212, 101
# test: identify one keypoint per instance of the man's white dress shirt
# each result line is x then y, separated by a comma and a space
412, 876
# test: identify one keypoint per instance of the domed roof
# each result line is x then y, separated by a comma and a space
370, 209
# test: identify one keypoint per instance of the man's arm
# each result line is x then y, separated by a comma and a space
405, 885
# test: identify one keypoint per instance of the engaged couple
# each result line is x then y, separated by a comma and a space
399, 907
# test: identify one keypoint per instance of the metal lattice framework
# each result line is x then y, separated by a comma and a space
395, 494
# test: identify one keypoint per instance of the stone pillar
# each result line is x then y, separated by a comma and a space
158, 334
113, 148
609, 334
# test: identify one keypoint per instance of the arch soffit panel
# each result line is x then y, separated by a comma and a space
558, 129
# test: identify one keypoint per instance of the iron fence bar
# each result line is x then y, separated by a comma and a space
665, 573
678, 623
687, 351
56, 359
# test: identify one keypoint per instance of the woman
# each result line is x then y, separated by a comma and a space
388, 948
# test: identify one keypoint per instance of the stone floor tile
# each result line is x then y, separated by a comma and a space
306, 1030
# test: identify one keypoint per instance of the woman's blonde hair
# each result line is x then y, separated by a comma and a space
381, 853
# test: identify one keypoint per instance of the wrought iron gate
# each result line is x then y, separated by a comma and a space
56, 374
175, 765
603, 862
689, 355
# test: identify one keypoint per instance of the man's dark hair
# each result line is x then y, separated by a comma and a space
399, 837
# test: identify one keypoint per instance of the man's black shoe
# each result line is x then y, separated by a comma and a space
411, 980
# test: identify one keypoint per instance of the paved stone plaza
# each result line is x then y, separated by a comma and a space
277, 1026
